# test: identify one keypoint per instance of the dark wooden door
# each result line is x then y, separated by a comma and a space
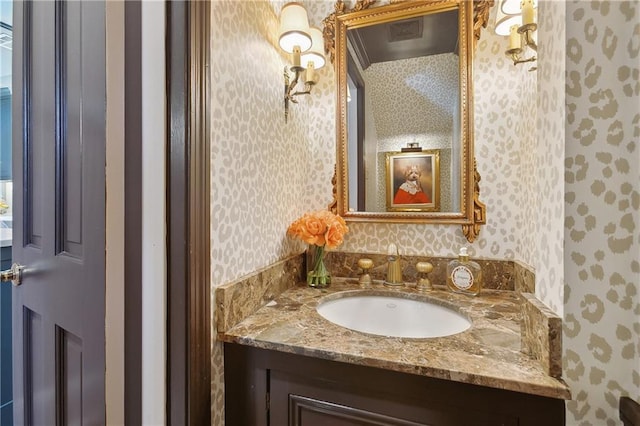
59, 218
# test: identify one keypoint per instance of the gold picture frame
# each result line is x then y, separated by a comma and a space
413, 181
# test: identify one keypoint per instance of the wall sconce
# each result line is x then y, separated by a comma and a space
518, 22
305, 45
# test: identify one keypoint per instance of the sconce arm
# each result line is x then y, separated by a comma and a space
515, 56
527, 35
289, 85
307, 91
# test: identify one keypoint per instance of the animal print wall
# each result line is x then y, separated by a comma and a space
602, 217
414, 95
266, 172
545, 188
413, 100
504, 132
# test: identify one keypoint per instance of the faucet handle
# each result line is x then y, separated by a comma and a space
365, 264
423, 283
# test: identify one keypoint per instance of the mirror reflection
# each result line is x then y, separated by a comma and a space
403, 115
405, 99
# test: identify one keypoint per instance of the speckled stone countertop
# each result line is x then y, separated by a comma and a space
488, 354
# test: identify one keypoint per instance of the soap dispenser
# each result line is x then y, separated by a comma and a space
464, 275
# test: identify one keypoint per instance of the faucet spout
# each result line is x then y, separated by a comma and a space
394, 270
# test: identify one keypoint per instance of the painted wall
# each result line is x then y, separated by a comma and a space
114, 215
154, 254
265, 173
602, 179
153, 215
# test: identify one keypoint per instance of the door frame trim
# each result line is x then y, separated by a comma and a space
132, 212
188, 214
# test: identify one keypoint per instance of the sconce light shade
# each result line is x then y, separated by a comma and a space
314, 54
514, 7
509, 7
504, 22
294, 28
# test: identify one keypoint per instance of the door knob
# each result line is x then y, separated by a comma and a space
14, 274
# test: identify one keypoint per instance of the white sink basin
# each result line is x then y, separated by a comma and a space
393, 316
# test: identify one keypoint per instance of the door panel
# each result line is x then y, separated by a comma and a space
69, 144
33, 369
59, 202
39, 116
69, 377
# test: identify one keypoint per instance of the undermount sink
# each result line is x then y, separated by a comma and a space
393, 316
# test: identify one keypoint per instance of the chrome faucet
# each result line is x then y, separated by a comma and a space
394, 271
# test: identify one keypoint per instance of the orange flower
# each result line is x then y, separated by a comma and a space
335, 234
319, 228
315, 228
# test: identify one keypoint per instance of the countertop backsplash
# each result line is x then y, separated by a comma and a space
541, 329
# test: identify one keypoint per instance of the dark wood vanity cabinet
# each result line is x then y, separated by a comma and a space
271, 388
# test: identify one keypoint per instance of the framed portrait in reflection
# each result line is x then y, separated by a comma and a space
413, 181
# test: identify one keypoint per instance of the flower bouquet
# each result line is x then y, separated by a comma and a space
323, 230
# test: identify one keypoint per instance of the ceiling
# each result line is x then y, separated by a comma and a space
426, 35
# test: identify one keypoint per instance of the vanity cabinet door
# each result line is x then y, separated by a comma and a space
271, 388
304, 401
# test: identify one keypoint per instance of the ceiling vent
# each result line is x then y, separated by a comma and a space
405, 30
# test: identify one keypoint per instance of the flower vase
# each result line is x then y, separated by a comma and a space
317, 276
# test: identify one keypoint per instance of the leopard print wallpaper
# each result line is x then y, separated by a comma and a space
504, 132
264, 172
402, 94
602, 210
546, 191
579, 233
406, 91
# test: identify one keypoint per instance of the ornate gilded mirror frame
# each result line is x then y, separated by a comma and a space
472, 20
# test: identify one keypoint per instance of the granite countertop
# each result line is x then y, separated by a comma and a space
488, 354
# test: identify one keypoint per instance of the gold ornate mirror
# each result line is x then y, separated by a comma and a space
405, 111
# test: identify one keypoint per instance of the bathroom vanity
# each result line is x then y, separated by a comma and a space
287, 365
267, 387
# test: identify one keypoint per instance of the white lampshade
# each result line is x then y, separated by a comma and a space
504, 22
509, 7
513, 7
294, 28
314, 54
